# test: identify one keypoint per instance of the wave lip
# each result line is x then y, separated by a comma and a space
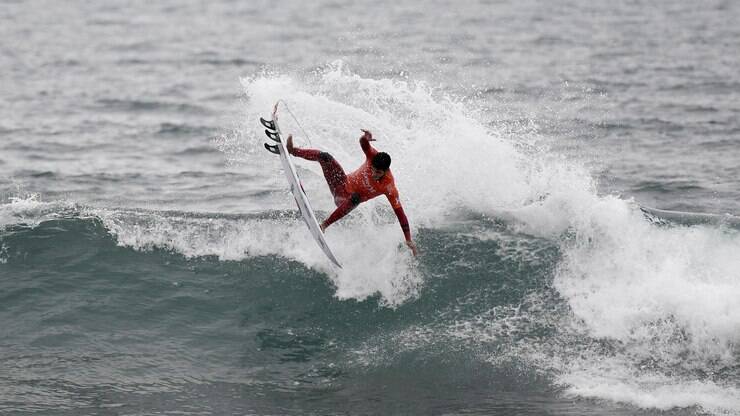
690, 218
30, 210
281, 236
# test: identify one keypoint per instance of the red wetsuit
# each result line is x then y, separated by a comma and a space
357, 187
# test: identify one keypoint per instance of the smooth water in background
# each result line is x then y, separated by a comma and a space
152, 260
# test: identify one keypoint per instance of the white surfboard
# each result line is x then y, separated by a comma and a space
301, 199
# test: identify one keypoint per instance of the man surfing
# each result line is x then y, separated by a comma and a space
372, 179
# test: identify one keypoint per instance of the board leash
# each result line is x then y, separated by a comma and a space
296, 121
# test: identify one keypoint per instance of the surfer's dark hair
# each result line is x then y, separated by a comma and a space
381, 161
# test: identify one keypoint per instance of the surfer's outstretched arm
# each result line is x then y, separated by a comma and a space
405, 228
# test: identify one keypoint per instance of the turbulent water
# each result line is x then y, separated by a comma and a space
569, 169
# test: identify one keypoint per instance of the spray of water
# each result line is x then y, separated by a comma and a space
664, 297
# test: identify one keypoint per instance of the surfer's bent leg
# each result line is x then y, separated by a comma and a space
334, 175
333, 172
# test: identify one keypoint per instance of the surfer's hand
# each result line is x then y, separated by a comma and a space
323, 226
367, 135
413, 248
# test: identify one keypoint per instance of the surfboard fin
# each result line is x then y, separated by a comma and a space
268, 123
272, 148
273, 135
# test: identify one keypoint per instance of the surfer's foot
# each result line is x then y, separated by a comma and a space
289, 144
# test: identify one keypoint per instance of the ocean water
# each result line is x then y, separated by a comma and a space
569, 169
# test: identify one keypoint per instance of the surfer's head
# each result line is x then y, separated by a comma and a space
381, 163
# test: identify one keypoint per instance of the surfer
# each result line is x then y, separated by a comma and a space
372, 179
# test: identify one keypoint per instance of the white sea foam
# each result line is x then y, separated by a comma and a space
666, 295
613, 379
30, 210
